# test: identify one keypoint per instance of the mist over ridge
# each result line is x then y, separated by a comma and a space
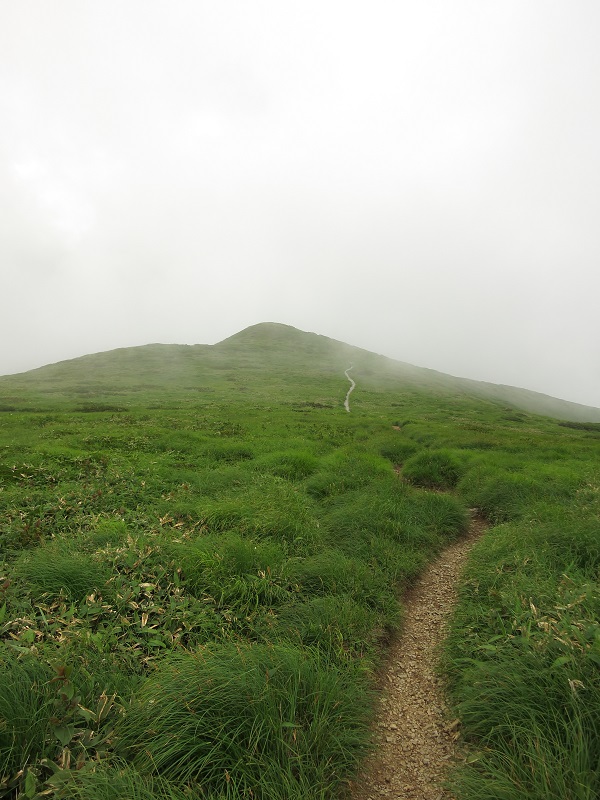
416, 179
300, 360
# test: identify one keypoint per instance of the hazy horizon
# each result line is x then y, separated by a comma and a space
419, 180
280, 323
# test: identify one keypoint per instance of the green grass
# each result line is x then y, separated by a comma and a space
434, 469
24, 710
52, 571
203, 555
259, 720
524, 658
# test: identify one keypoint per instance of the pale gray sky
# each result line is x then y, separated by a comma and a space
421, 179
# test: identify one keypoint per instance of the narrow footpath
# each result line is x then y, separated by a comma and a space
415, 740
350, 390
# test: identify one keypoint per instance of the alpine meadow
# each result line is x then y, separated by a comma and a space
204, 554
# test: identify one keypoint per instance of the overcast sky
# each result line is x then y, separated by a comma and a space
420, 178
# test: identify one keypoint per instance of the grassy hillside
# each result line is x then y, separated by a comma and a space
202, 555
307, 365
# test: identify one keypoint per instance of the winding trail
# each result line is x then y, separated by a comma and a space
350, 390
415, 739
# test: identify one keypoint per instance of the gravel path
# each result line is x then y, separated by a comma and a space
350, 390
414, 736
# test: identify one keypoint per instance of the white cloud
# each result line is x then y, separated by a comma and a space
416, 178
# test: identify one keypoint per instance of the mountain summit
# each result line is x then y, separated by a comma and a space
264, 360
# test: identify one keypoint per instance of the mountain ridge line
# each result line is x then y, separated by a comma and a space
266, 346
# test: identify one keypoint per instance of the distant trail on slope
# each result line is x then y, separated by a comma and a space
350, 390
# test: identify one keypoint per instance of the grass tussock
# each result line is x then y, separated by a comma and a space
51, 571
24, 710
434, 469
258, 721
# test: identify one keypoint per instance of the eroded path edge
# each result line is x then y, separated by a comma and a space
415, 740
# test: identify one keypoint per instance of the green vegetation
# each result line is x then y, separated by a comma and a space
274, 720
524, 653
436, 469
202, 559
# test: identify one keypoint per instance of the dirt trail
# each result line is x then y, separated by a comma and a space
350, 390
414, 736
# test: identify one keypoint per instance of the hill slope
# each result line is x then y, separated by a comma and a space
299, 363
197, 587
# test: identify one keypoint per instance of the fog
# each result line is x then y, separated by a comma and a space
420, 179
